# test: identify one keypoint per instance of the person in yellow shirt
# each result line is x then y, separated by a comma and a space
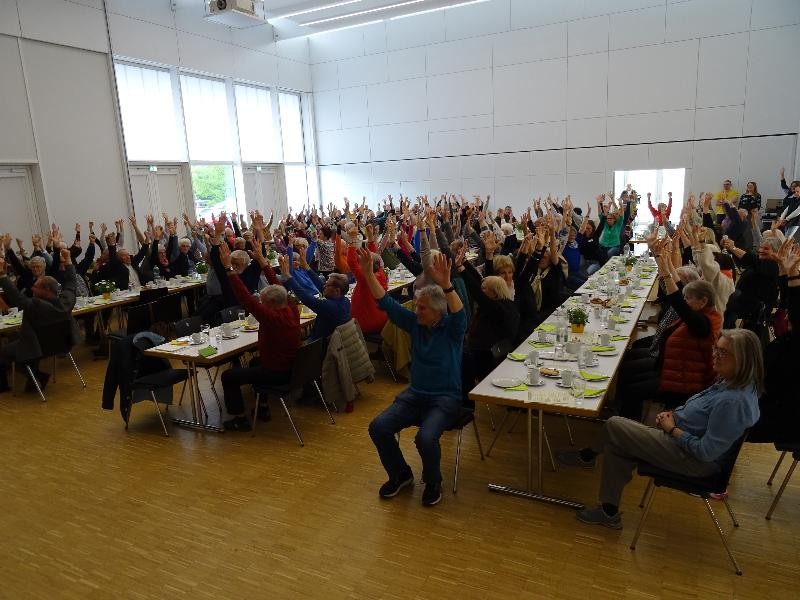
726, 193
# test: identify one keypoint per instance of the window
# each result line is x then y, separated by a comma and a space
296, 187
254, 117
658, 183
208, 123
214, 190
291, 127
150, 118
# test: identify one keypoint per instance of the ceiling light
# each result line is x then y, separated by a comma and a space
353, 26
430, 10
296, 13
363, 12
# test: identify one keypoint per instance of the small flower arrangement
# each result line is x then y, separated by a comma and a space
201, 267
630, 261
578, 318
105, 287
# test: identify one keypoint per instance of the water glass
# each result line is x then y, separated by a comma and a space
241, 316
205, 329
578, 390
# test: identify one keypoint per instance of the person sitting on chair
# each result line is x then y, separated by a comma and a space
278, 340
48, 307
433, 399
692, 440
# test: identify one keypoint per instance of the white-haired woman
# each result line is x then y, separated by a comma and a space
694, 439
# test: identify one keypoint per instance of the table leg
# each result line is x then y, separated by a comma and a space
539, 494
197, 421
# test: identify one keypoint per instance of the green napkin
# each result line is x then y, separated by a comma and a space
540, 345
626, 304
619, 338
592, 376
546, 327
207, 351
590, 393
517, 388
14, 321
518, 356
634, 296
618, 319
603, 348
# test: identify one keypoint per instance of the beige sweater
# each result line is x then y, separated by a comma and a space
709, 268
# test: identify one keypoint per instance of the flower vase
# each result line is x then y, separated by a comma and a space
106, 295
578, 327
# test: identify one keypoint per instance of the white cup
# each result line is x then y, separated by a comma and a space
13, 311
612, 324
605, 339
534, 377
197, 337
572, 347
567, 375
227, 329
533, 357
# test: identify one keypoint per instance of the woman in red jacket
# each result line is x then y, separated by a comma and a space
661, 214
684, 365
363, 306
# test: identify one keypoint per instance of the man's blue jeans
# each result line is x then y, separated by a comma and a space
433, 414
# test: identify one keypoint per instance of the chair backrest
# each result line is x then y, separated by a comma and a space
501, 349
151, 294
728, 461
188, 326
138, 318
307, 364
229, 314
168, 309
55, 338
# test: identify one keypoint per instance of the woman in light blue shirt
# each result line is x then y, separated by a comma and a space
693, 439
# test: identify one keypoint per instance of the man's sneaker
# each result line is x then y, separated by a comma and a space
391, 488
240, 423
572, 458
597, 516
432, 494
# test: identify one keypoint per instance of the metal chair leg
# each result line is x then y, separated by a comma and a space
77, 370
255, 415
214, 391
640, 526
477, 438
35, 382
780, 491
730, 512
647, 491
158, 410
324, 404
458, 460
777, 466
291, 421
722, 536
388, 364
183, 390
497, 434
569, 431
516, 418
549, 450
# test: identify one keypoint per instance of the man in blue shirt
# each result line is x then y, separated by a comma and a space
333, 309
433, 399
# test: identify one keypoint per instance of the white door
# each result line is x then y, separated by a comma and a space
17, 205
156, 190
261, 189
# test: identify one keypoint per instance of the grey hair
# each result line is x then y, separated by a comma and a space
377, 262
747, 352
772, 241
701, 289
499, 286
275, 294
38, 260
507, 228
502, 261
240, 256
340, 280
688, 273
185, 242
50, 283
435, 296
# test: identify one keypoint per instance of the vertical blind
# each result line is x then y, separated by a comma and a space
209, 129
257, 138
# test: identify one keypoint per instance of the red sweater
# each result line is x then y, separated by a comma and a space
363, 305
279, 329
657, 215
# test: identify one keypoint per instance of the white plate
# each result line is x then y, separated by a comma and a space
614, 353
251, 329
551, 376
506, 382
560, 384
193, 343
230, 337
527, 362
540, 384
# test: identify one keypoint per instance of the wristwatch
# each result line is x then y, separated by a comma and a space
450, 289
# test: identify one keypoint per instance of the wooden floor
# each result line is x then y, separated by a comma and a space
90, 511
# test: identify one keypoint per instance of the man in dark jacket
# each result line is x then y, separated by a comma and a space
47, 307
121, 268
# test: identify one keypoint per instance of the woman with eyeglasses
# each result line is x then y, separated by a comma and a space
692, 440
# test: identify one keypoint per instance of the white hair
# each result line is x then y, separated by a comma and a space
435, 296
507, 228
185, 242
275, 294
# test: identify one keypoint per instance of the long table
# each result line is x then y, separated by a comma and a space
549, 398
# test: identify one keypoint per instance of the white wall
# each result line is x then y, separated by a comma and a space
520, 98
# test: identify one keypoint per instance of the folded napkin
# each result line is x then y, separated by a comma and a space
618, 319
13, 321
179, 343
591, 393
540, 345
592, 376
518, 356
546, 327
517, 388
603, 348
634, 296
619, 338
207, 351
626, 304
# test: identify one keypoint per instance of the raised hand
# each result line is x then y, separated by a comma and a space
283, 261
439, 271
225, 255
66, 258
365, 260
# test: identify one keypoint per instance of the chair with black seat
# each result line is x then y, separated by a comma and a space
306, 369
139, 319
54, 340
230, 314
784, 449
153, 379
702, 487
165, 312
466, 417
147, 295
376, 339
